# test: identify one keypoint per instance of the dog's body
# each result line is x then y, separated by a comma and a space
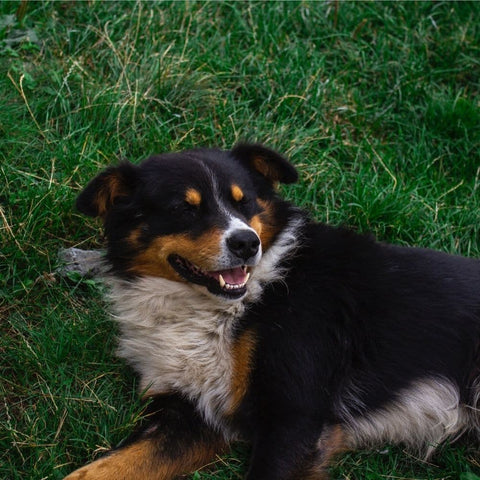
246, 320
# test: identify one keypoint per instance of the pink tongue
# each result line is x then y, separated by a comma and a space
233, 276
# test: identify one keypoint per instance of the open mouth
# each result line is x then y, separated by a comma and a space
230, 283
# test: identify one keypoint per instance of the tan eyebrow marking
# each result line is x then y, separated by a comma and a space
193, 197
237, 193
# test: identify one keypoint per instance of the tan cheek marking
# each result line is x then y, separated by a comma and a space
237, 193
144, 459
263, 224
202, 251
242, 354
193, 197
257, 225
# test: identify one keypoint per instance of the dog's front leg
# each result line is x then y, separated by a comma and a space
172, 440
296, 453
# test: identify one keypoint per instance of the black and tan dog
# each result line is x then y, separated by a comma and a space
246, 320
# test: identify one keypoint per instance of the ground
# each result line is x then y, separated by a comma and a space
377, 104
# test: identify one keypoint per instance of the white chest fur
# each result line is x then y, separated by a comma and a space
177, 339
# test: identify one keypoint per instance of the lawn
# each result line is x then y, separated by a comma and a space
377, 104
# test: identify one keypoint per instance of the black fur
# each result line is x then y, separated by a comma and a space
353, 310
174, 425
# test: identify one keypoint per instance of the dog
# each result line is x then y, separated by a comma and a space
247, 320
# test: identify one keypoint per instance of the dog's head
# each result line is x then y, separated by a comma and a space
202, 217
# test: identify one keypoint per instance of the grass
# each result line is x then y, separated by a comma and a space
377, 104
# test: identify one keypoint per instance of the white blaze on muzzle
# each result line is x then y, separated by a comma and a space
240, 244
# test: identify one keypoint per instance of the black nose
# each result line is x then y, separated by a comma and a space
243, 243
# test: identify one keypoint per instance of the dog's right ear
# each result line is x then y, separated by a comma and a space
268, 163
106, 188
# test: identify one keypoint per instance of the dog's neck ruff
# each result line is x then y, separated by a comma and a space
178, 337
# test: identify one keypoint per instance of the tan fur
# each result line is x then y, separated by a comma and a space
132, 462
145, 460
333, 442
237, 193
263, 166
243, 350
261, 223
112, 188
193, 197
153, 261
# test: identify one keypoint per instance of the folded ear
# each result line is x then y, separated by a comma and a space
268, 163
106, 188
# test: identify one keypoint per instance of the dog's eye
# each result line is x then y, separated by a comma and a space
182, 208
245, 206
244, 201
241, 200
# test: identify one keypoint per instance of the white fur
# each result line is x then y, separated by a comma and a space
177, 339
473, 410
268, 269
422, 416
178, 336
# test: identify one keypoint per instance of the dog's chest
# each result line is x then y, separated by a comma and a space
177, 342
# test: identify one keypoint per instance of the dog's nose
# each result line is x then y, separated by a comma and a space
243, 243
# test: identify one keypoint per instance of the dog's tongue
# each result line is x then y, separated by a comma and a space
232, 276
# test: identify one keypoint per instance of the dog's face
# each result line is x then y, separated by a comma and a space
203, 217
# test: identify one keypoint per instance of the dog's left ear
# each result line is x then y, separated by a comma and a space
268, 163
106, 189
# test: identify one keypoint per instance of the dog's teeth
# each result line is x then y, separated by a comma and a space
221, 281
246, 278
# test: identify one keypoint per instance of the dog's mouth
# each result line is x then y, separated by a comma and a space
230, 283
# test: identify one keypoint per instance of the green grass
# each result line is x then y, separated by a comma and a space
377, 104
